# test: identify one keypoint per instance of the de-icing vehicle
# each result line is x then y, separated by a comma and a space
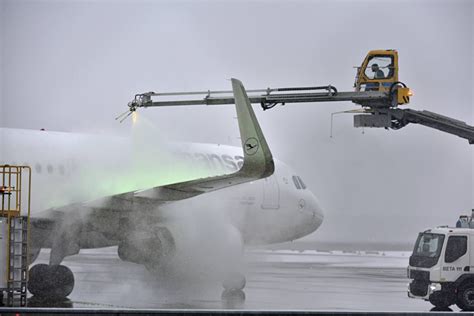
441, 268
377, 90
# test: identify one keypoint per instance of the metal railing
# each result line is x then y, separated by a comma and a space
15, 196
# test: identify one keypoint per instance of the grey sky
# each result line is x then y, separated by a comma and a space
73, 66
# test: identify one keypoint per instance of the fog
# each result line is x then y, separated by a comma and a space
73, 66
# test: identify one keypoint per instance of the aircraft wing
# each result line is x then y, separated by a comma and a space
258, 163
54, 224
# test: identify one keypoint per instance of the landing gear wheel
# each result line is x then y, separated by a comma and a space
465, 300
441, 300
235, 281
50, 282
233, 295
233, 298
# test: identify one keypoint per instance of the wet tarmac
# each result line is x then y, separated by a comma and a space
276, 280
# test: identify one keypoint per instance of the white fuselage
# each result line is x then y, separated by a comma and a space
69, 168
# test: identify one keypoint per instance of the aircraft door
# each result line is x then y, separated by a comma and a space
271, 193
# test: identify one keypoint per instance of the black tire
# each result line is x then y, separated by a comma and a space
465, 297
232, 299
36, 301
37, 275
234, 295
441, 300
50, 282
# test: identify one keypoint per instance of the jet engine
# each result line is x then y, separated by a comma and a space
149, 247
187, 247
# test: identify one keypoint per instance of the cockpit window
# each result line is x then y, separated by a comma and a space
303, 186
297, 184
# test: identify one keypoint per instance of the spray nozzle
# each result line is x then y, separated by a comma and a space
140, 100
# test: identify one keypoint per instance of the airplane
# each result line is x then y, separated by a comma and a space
256, 199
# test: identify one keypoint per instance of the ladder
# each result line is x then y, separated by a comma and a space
18, 261
379, 109
15, 184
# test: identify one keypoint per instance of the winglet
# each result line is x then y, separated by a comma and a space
258, 160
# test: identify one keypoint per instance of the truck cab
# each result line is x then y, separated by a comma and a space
379, 72
441, 267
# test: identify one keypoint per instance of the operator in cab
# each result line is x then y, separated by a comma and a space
378, 73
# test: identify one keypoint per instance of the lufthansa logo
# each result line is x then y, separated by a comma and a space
251, 146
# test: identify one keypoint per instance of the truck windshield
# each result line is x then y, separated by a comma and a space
379, 67
428, 245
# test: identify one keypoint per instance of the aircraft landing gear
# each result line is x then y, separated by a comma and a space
233, 295
233, 299
235, 281
50, 281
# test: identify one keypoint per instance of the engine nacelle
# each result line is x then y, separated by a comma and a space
148, 247
186, 245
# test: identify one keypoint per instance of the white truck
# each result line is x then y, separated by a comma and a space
441, 268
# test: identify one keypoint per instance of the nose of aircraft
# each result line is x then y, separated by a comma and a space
313, 215
318, 212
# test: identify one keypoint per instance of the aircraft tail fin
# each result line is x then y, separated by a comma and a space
257, 154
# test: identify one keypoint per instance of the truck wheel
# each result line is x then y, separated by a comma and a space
441, 300
465, 299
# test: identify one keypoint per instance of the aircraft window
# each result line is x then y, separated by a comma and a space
303, 186
297, 184
38, 168
50, 169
